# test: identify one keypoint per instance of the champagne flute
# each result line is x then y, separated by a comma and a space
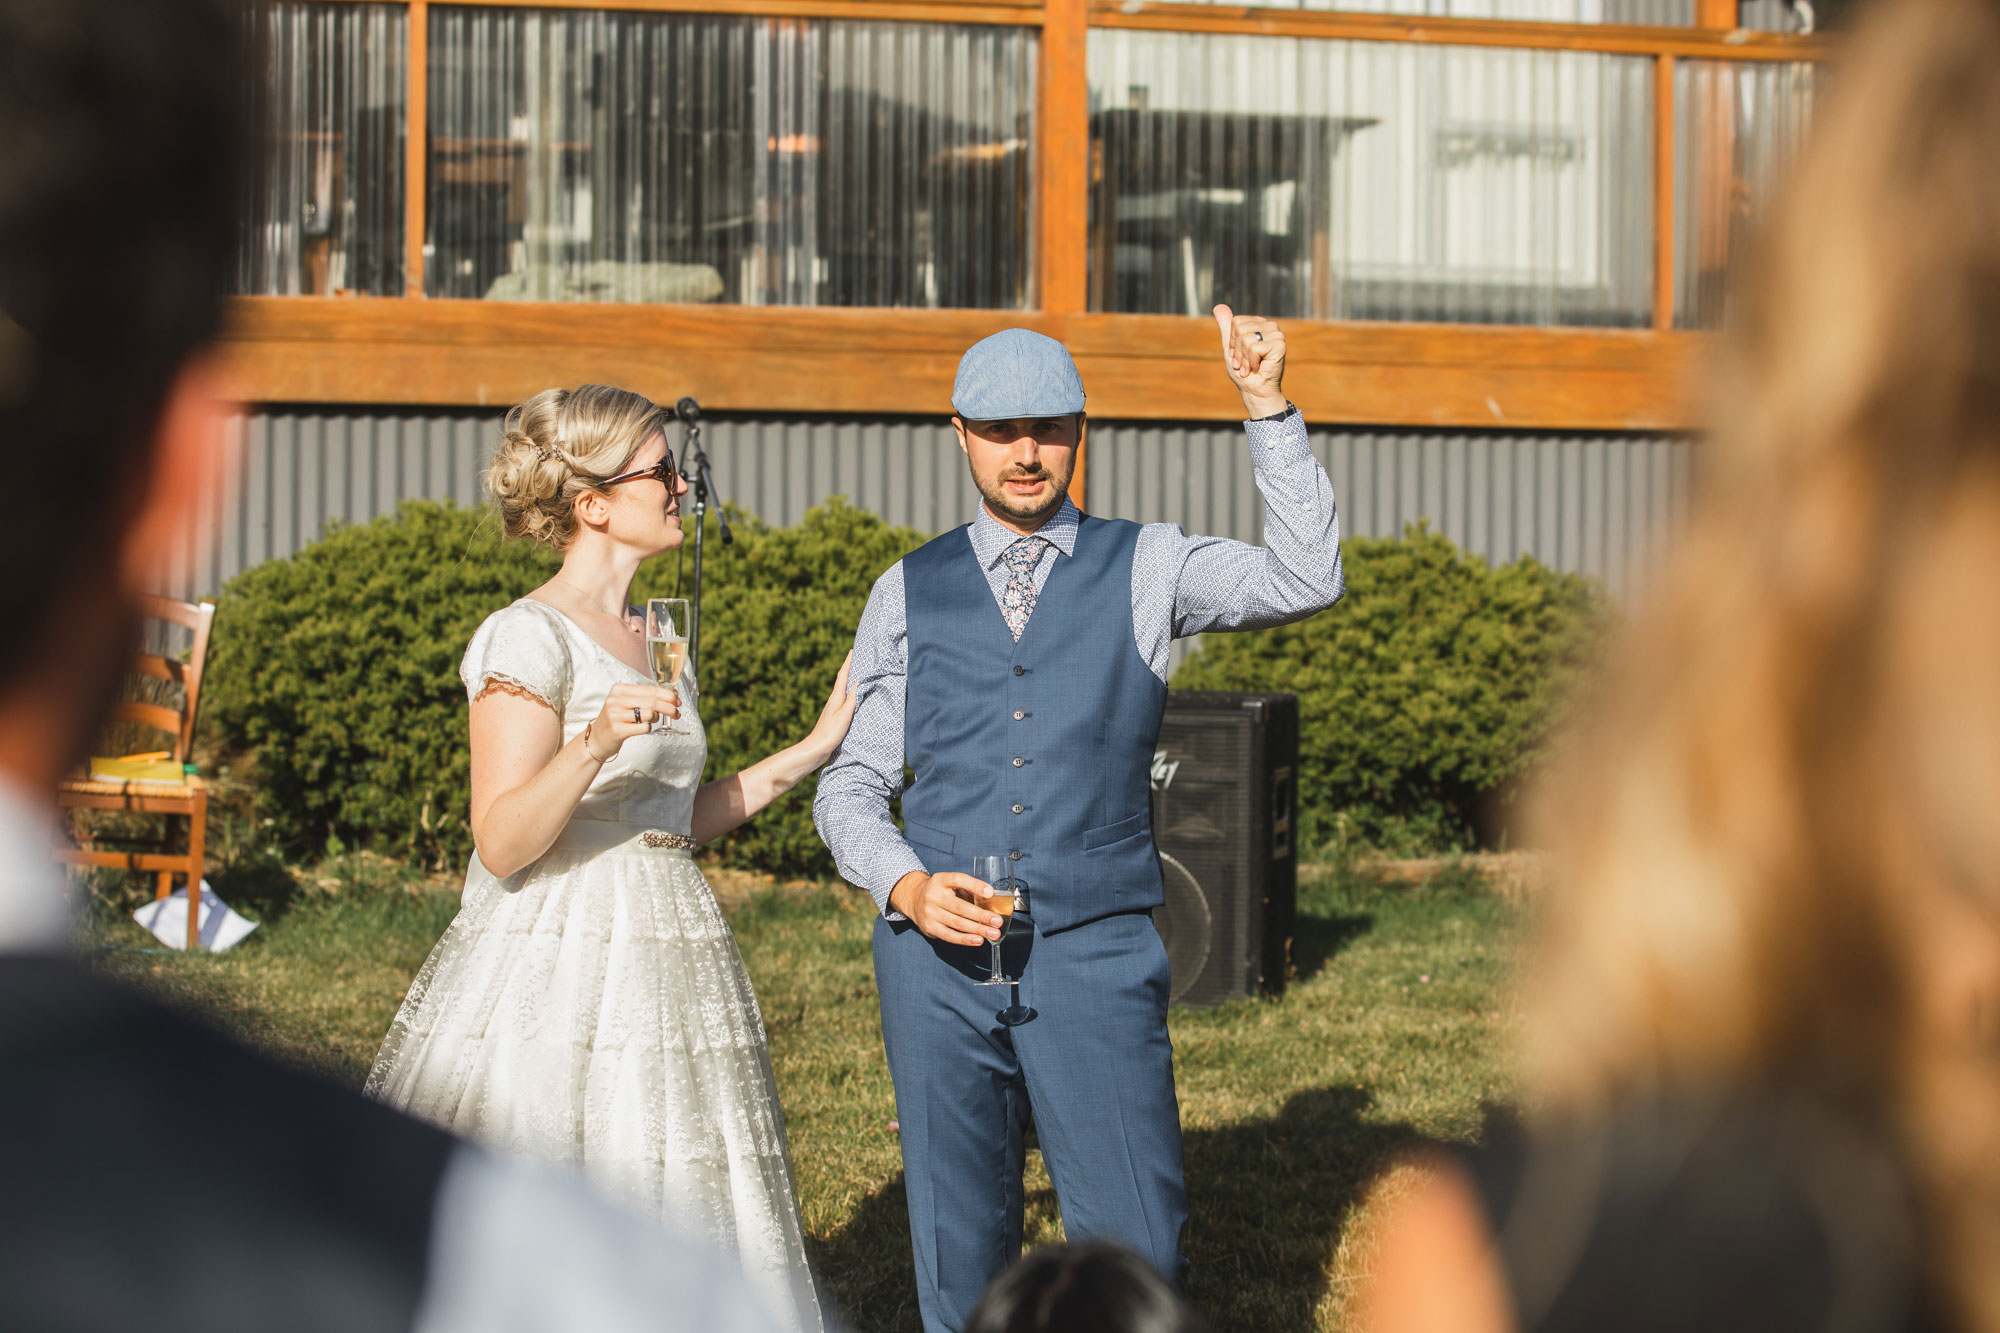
997, 873
667, 621
1008, 895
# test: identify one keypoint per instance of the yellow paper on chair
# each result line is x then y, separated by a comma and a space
136, 769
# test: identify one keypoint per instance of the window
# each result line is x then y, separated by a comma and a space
592, 156
323, 206
1737, 129
1370, 180
1655, 13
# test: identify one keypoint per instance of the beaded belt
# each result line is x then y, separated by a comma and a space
603, 835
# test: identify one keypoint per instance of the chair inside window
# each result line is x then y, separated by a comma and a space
186, 797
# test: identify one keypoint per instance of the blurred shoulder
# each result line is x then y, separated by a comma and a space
517, 1245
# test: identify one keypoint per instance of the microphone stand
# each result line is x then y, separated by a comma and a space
696, 460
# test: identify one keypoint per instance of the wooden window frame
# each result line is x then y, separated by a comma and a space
419, 351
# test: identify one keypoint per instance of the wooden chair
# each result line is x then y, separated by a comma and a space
188, 797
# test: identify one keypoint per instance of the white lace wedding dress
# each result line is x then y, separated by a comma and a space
592, 1009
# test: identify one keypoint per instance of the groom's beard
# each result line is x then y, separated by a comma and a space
1002, 501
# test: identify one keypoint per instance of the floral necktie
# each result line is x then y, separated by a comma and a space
1017, 601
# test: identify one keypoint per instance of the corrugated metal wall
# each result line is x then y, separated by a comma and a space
1599, 504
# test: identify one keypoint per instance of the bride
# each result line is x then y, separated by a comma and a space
588, 1005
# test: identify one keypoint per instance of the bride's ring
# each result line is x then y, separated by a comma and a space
635, 714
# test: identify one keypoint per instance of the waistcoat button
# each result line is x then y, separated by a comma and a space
1014, 855
1018, 715
1018, 761
1018, 808
1020, 671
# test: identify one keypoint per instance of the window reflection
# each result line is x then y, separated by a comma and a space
1370, 180
590, 156
322, 212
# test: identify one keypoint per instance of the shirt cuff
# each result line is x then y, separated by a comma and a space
1279, 440
887, 872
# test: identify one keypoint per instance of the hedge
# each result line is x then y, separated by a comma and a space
1424, 696
778, 614
336, 670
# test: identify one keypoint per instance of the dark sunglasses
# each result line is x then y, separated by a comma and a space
662, 472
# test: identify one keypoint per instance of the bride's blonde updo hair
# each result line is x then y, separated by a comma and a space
559, 444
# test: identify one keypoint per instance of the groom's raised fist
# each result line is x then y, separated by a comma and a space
946, 906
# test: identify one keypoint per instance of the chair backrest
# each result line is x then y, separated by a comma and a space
198, 618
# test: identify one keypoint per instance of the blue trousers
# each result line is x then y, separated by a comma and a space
1095, 1066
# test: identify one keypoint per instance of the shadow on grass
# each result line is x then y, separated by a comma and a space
1268, 1199
867, 1266
1316, 939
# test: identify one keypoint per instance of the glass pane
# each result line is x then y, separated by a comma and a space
1737, 127
1369, 180
1659, 13
1770, 16
323, 206
590, 156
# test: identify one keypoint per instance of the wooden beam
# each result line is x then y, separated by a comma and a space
1719, 15
1062, 175
1062, 157
416, 145
1616, 39
1663, 193
1146, 367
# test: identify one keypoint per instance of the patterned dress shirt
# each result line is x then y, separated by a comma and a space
1181, 586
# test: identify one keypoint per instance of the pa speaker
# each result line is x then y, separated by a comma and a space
1224, 808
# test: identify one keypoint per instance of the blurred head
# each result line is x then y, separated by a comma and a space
1782, 850
1022, 465
556, 475
1090, 1288
120, 149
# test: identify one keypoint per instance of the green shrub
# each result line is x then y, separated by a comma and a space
779, 609
338, 669
1423, 695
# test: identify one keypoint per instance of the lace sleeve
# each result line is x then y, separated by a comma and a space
519, 651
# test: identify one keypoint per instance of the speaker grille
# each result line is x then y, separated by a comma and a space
1222, 813
1202, 817
1185, 927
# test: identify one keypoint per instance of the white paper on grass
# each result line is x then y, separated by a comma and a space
218, 928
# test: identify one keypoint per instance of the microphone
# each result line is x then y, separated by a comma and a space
688, 410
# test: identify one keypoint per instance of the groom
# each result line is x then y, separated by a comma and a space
1019, 666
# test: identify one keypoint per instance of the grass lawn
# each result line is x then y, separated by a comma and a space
1392, 1030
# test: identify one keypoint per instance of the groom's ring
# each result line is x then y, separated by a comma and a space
635, 714
1258, 336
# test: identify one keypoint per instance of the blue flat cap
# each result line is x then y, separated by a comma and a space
1016, 373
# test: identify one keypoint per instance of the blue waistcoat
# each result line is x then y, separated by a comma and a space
1041, 749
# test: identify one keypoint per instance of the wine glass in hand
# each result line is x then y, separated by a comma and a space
997, 875
667, 621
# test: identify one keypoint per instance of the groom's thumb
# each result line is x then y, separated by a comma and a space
1223, 315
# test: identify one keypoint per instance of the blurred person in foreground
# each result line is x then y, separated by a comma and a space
153, 1173
1762, 1024
1094, 1287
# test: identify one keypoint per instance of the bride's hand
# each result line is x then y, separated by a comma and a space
629, 710
827, 733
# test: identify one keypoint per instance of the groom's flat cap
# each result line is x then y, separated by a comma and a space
1016, 373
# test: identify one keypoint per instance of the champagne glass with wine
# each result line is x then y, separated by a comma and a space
997, 872
667, 623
